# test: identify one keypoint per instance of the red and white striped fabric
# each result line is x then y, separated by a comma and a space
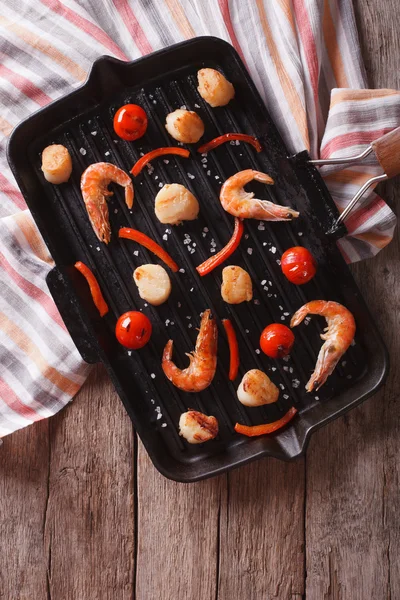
299, 53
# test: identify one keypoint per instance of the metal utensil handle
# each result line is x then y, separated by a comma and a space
387, 150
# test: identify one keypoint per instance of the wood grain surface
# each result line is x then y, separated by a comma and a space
85, 516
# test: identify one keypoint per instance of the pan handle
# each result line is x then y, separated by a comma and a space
387, 150
73, 316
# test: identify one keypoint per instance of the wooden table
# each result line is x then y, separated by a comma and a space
85, 516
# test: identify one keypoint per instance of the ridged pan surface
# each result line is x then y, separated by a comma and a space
82, 122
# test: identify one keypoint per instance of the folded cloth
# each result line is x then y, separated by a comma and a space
305, 59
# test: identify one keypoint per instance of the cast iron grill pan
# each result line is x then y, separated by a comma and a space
82, 121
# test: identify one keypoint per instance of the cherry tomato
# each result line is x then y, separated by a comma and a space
276, 340
298, 265
133, 330
130, 122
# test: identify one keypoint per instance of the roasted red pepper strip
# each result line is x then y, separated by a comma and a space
211, 263
144, 240
233, 349
95, 290
138, 166
266, 427
227, 137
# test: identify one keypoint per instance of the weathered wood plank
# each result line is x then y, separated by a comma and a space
24, 466
352, 524
89, 521
178, 533
262, 533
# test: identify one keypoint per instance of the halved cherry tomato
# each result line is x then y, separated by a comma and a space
276, 340
133, 330
298, 265
130, 122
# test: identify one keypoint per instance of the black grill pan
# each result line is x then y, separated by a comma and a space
82, 121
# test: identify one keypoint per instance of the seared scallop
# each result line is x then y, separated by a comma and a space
56, 163
153, 283
185, 126
196, 427
175, 203
214, 88
236, 285
257, 389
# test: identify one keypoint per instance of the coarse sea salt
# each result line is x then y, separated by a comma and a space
250, 251
153, 375
136, 252
257, 351
82, 151
163, 425
181, 270
295, 383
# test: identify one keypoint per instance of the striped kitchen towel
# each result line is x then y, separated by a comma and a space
305, 60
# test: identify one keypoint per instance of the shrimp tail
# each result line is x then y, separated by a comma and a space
274, 212
98, 216
167, 354
129, 195
299, 316
324, 367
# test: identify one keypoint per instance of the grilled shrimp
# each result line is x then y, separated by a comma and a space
242, 204
203, 361
94, 186
338, 336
